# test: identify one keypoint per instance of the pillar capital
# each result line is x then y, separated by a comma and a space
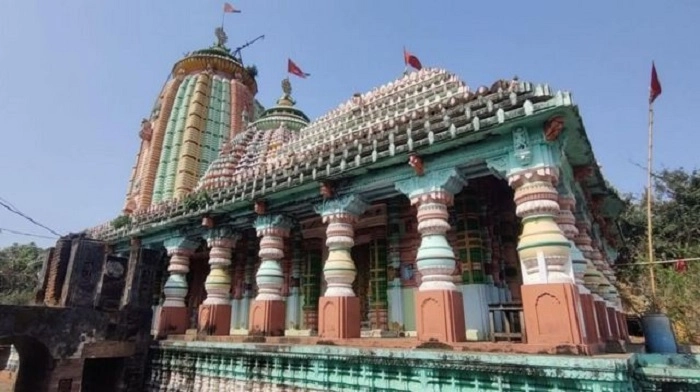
222, 236
344, 207
536, 174
275, 225
180, 243
439, 185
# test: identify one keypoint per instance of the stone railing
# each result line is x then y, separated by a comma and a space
209, 366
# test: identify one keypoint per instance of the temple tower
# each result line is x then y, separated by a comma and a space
208, 99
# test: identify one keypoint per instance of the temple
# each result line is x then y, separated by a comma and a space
423, 214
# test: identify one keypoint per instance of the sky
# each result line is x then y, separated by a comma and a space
77, 77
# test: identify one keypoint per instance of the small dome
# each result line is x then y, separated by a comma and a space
284, 112
254, 152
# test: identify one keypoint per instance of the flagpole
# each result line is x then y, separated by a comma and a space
223, 16
650, 243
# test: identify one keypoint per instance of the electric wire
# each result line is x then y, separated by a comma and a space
16, 232
10, 207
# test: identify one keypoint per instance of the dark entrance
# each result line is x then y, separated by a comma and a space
102, 374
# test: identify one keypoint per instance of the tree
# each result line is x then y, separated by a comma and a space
20, 265
676, 234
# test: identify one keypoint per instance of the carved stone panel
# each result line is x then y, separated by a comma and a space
113, 282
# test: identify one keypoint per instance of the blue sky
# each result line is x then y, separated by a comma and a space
77, 77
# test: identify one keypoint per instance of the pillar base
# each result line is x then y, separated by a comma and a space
601, 312
267, 318
215, 320
172, 321
589, 319
612, 319
550, 312
623, 326
339, 317
440, 316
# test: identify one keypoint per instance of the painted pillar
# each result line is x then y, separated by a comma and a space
439, 304
339, 308
215, 311
582, 240
601, 287
294, 299
267, 312
548, 292
394, 267
173, 317
567, 223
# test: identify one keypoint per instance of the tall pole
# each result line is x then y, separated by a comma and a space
650, 242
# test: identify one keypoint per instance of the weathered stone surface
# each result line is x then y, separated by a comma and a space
187, 365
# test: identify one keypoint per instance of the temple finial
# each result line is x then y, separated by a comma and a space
221, 36
286, 98
286, 86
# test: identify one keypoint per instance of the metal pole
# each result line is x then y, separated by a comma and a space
650, 193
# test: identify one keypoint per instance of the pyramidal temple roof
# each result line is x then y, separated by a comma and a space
282, 137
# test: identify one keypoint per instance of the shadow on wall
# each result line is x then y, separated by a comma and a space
35, 363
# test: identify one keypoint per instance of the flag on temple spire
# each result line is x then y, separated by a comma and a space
294, 69
411, 59
655, 88
230, 9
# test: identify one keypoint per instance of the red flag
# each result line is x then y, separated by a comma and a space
229, 9
295, 70
410, 59
655, 89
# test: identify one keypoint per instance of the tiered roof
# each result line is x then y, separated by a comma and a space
409, 114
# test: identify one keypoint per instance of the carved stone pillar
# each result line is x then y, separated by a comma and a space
583, 243
545, 254
567, 223
267, 313
215, 311
173, 318
439, 304
339, 308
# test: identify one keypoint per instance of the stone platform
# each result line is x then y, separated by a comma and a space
395, 343
215, 365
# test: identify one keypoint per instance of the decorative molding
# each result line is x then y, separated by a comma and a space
521, 146
500, 164
553, 127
